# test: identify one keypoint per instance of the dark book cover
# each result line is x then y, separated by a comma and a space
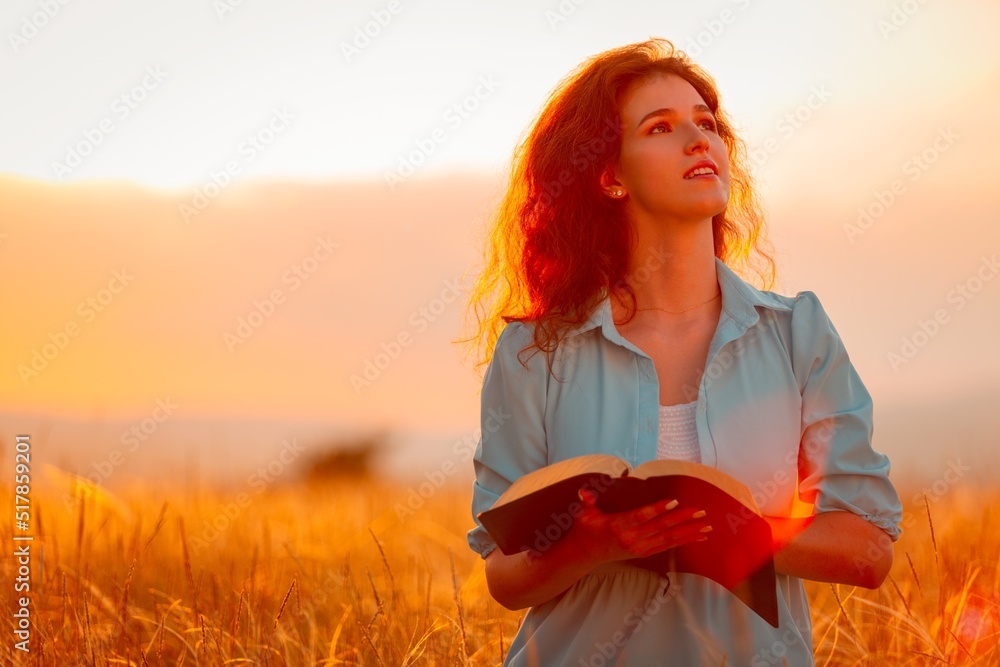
736, 555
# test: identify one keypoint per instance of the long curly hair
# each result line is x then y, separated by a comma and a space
556, 245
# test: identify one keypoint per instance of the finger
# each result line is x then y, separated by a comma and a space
663, 520
686, 520
690, 531
663, 505
638, 518
675, 537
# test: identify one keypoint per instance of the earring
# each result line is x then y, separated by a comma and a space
617, 193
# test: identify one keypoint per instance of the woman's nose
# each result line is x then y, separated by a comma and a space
697, 141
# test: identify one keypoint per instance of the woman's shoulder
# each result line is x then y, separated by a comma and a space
743, 294
808, 313
516, 344
801, 322
803, 307
516, 335
521, 337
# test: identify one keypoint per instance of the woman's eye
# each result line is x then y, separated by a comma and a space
708, 124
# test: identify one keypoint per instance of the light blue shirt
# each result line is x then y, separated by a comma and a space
780, 407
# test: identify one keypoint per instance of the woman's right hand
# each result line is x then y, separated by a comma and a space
600, 537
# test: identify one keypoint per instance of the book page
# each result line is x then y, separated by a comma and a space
579, 465
714, 476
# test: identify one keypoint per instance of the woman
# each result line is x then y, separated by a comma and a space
618, 327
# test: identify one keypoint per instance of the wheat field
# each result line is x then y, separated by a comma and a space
336, 574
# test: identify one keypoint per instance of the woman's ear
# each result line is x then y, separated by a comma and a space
607, 179
610, 184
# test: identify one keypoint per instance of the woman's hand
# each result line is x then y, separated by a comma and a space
600, 537
530, 578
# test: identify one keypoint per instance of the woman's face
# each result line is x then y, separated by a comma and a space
668, 132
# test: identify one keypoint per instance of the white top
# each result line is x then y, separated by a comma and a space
678, 433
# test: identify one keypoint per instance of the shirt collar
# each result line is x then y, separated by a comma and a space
739, 301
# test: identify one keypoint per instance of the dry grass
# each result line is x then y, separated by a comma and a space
332, 576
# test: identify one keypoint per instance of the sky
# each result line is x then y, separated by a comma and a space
183, 85
173, 173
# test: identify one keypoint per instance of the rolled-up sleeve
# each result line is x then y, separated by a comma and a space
838, 468
512, 440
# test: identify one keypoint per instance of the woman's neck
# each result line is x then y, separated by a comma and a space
672, 271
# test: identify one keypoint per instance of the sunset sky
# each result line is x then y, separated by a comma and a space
170, 170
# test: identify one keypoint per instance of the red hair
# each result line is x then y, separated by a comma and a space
556, 244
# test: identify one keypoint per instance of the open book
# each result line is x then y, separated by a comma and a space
539, 509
